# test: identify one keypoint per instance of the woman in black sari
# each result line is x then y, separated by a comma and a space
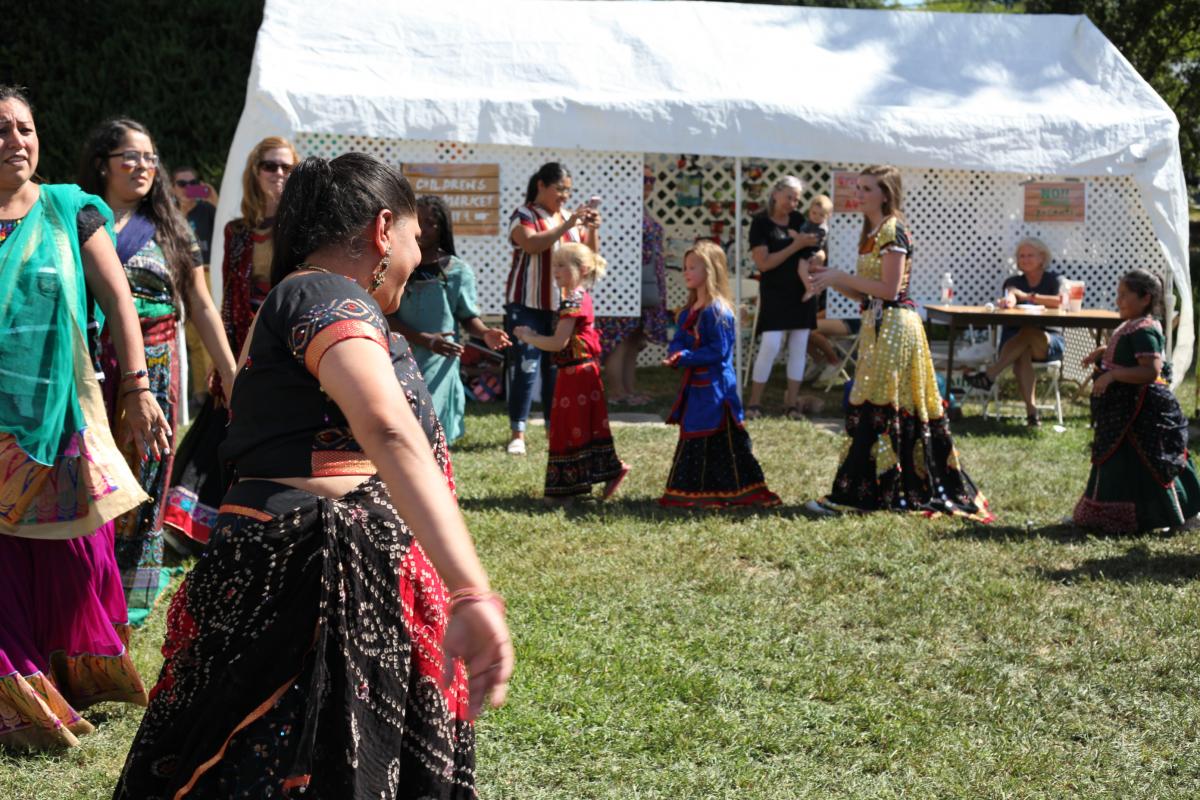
315, 646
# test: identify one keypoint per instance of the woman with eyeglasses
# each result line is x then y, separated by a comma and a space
62, 478
197, 482
536, 229
163, 266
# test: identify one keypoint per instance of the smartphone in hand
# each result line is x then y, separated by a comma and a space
196, 191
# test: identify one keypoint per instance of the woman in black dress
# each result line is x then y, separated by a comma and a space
775, 245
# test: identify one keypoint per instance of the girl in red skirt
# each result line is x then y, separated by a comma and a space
581, 445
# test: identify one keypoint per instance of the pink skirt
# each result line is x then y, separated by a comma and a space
63, 638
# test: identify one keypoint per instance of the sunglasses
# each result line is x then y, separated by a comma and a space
649, 180
275, 166
183, 182
131, 158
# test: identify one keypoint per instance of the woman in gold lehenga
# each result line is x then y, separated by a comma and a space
899, 454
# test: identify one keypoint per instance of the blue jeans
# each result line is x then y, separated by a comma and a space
522, 362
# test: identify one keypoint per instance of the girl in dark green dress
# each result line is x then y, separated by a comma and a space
1142, 475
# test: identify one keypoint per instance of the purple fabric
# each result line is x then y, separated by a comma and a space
133, 236
58, 595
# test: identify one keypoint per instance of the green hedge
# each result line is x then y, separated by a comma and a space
178, 67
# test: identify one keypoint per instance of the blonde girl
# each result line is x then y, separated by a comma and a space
580, 441
713, 464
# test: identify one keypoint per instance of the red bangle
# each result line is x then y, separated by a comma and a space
462, 597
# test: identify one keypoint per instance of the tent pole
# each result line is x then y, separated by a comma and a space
737, 270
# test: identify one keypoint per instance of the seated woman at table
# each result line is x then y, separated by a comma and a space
1021, 346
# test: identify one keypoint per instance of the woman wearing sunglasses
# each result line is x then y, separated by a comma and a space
196, 485
165, 272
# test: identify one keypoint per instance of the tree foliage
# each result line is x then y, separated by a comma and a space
178, 66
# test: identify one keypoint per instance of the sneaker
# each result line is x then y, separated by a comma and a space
830, 375
516, 447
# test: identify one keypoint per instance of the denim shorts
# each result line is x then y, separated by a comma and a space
1054, 352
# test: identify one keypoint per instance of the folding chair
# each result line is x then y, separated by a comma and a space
1051, 369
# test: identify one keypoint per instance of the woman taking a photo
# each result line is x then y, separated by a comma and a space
62, 638
536, 229
315, 643
166, 277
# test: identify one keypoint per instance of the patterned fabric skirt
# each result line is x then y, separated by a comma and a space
892, 460
62, 639
1142, 475
139, 540
718, 469
581, 444
653, 323
197, 481
304, 654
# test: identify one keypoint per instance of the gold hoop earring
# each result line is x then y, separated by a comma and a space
381, 269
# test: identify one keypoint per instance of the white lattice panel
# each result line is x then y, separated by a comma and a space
615, 177
965, 223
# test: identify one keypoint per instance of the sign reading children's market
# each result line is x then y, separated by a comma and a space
470, 191
1055, 202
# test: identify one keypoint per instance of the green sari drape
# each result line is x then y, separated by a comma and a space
60, 473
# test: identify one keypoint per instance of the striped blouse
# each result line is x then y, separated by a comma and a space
530, 281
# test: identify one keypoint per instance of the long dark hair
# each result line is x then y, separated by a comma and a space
437, 207
1145, 285
549, 173
171, 231
330, 202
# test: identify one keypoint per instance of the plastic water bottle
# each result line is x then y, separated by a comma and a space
947, 289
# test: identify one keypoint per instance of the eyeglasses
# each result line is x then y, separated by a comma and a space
131, 158
183, 182
275, 166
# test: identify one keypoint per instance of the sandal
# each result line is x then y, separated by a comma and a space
978, 380
795, 412
1033, 420
610, 488
638, 399
752, 412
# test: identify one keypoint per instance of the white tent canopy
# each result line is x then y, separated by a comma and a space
1042, 95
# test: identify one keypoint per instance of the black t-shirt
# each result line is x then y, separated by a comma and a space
780, 292
282, 424
202, 217
1051, 283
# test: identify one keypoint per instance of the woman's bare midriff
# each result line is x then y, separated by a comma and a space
333, 486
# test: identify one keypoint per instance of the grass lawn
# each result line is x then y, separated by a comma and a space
770, 655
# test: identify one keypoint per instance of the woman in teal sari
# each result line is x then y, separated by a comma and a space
63, 623
438, 298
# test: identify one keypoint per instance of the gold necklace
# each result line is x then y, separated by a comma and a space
313, 267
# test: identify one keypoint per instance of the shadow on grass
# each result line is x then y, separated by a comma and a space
624, 508
1136, 565
1015, 533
